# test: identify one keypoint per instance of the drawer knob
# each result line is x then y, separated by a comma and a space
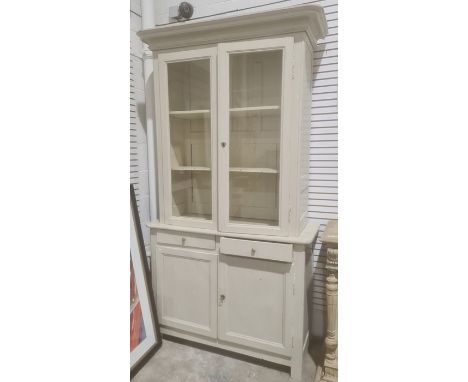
183, 241
253, 252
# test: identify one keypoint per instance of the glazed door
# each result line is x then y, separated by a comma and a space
188, 115
254, 114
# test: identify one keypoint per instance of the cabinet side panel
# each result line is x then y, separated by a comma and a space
304, 140
307, 289
158, 142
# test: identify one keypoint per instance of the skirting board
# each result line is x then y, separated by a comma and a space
235, 349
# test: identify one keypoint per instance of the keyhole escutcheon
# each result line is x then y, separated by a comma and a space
222, 297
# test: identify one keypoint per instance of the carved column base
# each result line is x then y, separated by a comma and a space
327, 373
330, 371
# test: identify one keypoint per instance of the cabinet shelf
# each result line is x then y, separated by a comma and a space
255, 170
251, 221
190, 114
255, 111
191, 168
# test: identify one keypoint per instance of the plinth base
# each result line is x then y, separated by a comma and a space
321, 377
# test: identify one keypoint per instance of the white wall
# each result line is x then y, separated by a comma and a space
138, 142
323, 191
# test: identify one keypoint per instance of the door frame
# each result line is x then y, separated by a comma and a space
165, 146
286, 44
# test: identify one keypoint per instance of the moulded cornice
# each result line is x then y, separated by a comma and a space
309, 19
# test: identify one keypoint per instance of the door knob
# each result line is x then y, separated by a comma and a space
223, 144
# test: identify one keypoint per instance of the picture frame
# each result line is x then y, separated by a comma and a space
145, 335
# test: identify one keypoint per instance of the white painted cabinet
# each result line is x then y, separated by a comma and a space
230, 249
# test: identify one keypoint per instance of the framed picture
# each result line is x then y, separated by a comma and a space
145, 337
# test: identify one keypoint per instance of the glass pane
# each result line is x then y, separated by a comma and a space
255, 127
190, 133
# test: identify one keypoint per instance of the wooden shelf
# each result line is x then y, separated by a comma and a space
197, 216
260, 222
255, 111
190, 114
255, 170
191, 168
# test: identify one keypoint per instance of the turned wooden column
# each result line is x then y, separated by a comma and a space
329, 371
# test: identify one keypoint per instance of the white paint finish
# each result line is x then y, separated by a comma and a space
321, 70
162, 100
236, 348
256, 249
306, 237
225, 119
267, 308
332, 10
304, 86
320, 130
308, 19
187, 290
259, 45
157, 195
185, 239
257, 298
299, 308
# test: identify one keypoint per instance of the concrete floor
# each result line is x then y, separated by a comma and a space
180, 361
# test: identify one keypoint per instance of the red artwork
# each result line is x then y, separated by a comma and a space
137, 327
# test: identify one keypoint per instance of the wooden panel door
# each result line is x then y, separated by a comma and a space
254, 109
187, 290
254, 303
187, 87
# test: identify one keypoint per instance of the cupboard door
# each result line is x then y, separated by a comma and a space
188, 116
254, 303
254, 115
187, 290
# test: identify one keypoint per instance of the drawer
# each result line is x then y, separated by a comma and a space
256, 249
184, 239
